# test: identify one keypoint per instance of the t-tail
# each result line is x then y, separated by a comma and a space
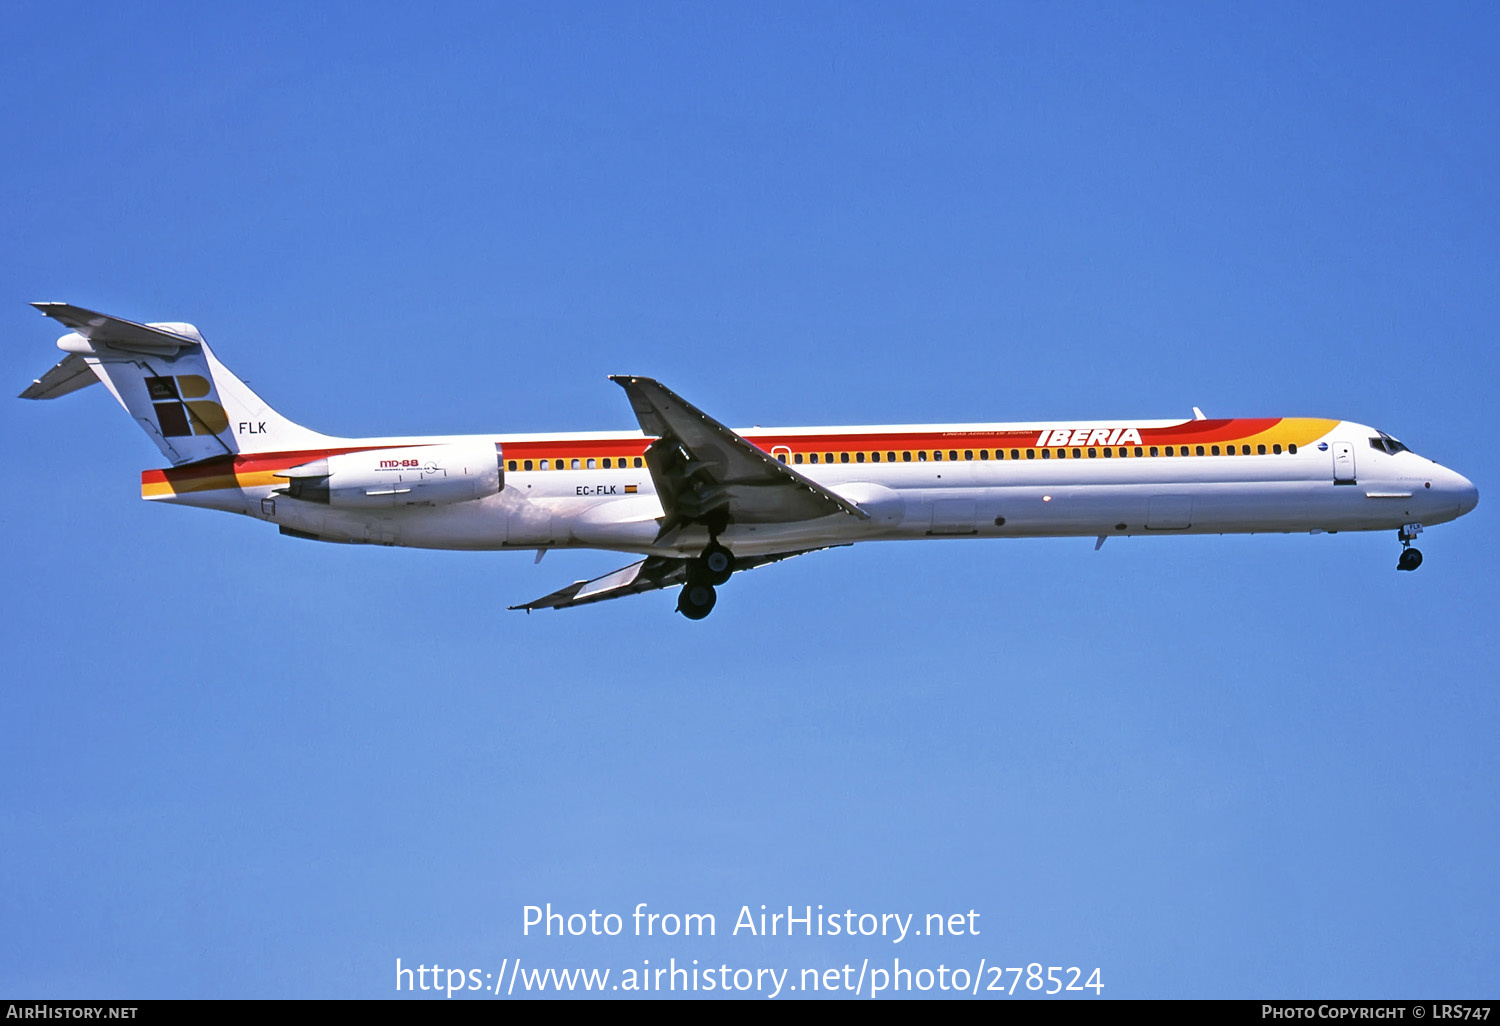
168, 379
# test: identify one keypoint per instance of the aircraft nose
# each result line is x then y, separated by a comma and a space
1454, 491
1468, 495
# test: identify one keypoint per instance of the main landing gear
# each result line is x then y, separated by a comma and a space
1410, 558
713, 567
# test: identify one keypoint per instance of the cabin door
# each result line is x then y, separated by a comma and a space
1343, 463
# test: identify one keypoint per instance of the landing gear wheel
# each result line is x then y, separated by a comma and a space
696, 600
716, 563
1410, 557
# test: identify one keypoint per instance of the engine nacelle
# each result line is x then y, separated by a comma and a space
413, 475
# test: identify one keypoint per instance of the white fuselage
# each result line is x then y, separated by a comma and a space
1002, 484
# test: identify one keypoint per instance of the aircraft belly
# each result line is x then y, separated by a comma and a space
1059, 507
477, 524
631, 523
1189, 507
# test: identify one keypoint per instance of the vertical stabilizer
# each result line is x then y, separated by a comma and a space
171, 383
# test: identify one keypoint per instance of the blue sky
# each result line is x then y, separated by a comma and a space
242, 765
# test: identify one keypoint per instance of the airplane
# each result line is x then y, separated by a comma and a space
699, 502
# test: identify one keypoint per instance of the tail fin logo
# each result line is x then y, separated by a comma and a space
182, 407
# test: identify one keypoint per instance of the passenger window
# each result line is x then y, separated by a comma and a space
512, 465
1276, 449
1214, 451
921, 455
812, 458
1170, 451
1093, 453
1030, 454
590, 464
1200, 450
1047, 454
1260, 450
890, 457
1139, 451
843, 457
797, 458
638, 461
1230, 450
937, 454
1153, 450
606, 463
527, 464
1124, 452
906, 457
781, 456
575, 464
545, 465
1077, 453
828, 457
859, 457
874, 457
1015, 454
953, 454
1292, 448
1108, 453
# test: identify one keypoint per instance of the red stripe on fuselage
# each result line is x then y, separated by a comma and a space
1195, 431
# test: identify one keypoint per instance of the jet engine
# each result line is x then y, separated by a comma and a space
413, 475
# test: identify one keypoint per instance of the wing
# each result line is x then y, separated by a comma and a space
647, 575
706, 474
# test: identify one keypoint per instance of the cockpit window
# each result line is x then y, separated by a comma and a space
1385, 443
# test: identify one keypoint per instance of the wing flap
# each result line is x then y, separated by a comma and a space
645, 575
648, 574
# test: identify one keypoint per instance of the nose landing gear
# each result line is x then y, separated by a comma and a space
1410, 558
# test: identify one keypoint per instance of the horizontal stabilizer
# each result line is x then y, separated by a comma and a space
174, 388
70, 374
117, 333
